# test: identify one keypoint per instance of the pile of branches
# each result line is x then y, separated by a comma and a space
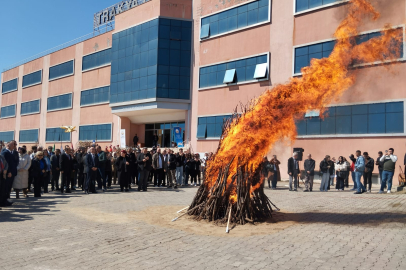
247, 206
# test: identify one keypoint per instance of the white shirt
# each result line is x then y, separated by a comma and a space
392, 157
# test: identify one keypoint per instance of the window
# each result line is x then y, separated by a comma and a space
174, 59
244, 70
260, 71
235, 18
59, 102
376, 118
211, 126
97, 59
61, 70
6, 136
30, 107
8, 111
95, 132
302, 5
304, 54
95, 96
32, 78
28, 136
9, 86
57, 135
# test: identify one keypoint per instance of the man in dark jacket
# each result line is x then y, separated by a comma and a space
144, 167
309, 166
172, 170
101, 179
180, 162
325, 170
6, 185
293, 171
66, 167
132, 167
92, 169
55, 169
159, 166
79, 157
380, 165
135, 140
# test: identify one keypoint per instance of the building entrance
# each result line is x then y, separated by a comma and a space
164, 131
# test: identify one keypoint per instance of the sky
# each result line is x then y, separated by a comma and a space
30, 27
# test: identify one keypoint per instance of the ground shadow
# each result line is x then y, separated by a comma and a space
366, 219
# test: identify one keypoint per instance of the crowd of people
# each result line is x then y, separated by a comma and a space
93, 169
330, 169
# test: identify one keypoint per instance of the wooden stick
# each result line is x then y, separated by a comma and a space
228, 222
179, 217
182, 209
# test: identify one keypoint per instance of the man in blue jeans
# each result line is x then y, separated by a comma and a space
389, 163
359, 171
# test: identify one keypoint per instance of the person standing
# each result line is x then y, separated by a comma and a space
3, 175
172, 170
47, 175
276, 172
158, 164
293, 171
341, 171
369, 168
198, 166
135, 140
325, 170
165, 155
380, 165
108, 170
144, 167
352, 167
389, 163
21, 180
65, 165
309, 166
155, 139
8, 154
359, 171
92, 167
180, 162
188, 169
123, 170
55, 169
101, 179
50, 152
133, 166
332, 162
38, 167
347, 172
79, 157
265, 170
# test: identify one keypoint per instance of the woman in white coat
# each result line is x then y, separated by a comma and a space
21, 179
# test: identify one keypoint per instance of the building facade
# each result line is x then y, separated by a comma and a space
189, 64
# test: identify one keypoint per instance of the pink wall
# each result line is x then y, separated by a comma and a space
59, 118
33, 66
100, 42
96, 78
30, 121
61, 86
31, 93
95, 114
9, 99
10, 74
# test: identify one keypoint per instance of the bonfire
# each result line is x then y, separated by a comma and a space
233, 190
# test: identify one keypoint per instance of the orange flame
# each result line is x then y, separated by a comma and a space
271, 117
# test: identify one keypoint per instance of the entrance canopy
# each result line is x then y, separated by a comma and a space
153, 112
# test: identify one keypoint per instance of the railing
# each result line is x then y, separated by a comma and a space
100, 31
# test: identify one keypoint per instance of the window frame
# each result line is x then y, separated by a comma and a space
340, 2
12, 116
25, 114
211, 115
19, 137
111, 131
238, 29
42, 74
70, 136
63, 76
61, 109
14, 134
102, 66
268, 55
403, 26
3, 93
362, 134
94, 104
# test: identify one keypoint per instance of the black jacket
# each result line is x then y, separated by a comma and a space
84, 162
79, 158
65, 163
172, 162
180, 160
291, 165
331, 170
380, 164
10, 158
135, 140
309, 166
323, 166
90, 163
54, 162
121, 164
35, 169
108, 165
369, 164
144, 165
